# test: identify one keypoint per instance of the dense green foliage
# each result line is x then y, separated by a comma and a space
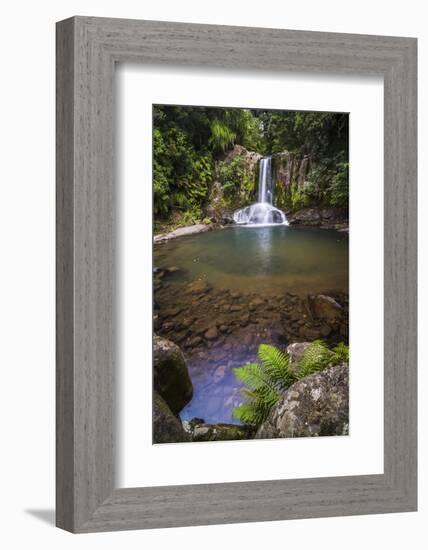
190, 146
267, 379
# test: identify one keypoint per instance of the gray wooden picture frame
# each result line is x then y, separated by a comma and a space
87, 50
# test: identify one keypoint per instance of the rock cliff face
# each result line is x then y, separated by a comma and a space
234, 185
290, 168
325, 217
317, 405
236, 182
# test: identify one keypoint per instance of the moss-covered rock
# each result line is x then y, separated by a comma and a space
220, 432
234, 185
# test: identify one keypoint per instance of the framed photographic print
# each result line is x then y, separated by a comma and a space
236, 274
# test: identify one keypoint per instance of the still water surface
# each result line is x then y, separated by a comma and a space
267, 260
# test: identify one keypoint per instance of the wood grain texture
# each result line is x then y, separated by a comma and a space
87, 49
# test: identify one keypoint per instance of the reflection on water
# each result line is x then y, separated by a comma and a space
258, 241
269, 260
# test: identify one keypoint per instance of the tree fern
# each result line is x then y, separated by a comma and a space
265, 381
315, 358
222, 137
254, 376
276, 366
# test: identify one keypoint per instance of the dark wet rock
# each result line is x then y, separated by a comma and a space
168, 325
326, 218
295, 315
195, 421
167, 428
243, 319
211, 333
325, 308
306, 216
172, 311
221, 432
180, 336
317, 405
187, 321
195, 341
344, 330
310, 333
325, 330
170, 375
157, 323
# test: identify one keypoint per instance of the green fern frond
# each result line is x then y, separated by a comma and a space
264, 382
257, 408
254, 376
276, 365
316, 358
342, 352
247, 413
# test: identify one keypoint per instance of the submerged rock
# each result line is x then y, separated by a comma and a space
171, 377
198, 287
167, 428
317, 405
211, 333
325, 308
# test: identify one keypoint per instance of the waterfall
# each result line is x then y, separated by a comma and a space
265, 180
262, 212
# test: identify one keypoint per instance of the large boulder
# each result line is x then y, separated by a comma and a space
316, 405
167, 428
171, 377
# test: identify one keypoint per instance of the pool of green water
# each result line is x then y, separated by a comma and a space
266, 260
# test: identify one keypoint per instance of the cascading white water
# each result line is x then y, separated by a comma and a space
262, 212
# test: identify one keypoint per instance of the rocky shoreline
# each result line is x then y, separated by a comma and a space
183, 232
321, 217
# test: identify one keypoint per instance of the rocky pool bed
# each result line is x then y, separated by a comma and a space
218, 330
